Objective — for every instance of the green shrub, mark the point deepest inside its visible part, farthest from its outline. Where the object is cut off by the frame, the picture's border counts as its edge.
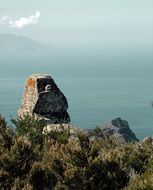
(31, 128)
(30, 160)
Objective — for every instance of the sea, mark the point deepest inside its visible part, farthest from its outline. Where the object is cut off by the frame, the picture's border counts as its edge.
(98, 88)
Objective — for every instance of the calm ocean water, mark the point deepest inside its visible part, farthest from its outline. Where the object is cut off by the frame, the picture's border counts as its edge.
(97, 90)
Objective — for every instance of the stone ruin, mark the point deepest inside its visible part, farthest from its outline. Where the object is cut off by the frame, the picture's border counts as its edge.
(44, 99)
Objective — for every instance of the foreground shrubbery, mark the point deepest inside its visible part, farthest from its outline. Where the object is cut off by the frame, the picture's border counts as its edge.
(32, 160)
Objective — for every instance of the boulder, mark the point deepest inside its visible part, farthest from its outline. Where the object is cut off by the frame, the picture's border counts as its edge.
(43, 98)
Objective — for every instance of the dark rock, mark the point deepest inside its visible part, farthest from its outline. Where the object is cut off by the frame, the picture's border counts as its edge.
(118, 128)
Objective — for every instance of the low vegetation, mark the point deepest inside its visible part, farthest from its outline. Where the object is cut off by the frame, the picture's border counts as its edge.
(31, 160)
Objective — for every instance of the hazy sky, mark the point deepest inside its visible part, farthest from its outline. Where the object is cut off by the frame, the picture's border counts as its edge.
(81, 23)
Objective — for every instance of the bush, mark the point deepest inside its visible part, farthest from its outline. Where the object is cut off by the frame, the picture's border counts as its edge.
(30, 160)
(31, 128)
(41, 177)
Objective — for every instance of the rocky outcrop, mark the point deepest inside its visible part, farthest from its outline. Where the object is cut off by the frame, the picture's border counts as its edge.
(118, 128)
(69, 128)
(44, 99)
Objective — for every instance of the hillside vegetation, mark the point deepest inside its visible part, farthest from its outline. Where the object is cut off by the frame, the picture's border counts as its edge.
(32, 160)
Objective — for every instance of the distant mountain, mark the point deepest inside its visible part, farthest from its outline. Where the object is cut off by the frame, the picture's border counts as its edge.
(10, 43)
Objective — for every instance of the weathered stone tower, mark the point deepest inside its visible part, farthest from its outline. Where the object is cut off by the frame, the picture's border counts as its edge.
(43, 98)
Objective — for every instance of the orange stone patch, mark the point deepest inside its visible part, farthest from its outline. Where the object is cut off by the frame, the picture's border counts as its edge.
(31, 83)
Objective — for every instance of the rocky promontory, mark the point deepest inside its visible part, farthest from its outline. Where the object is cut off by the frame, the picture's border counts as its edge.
(43, 99)
(117, 128)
